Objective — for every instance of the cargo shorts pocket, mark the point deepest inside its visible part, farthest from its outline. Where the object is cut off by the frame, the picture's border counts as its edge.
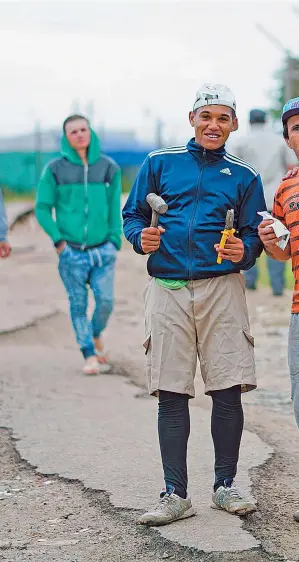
(249, 337)
(147, 344)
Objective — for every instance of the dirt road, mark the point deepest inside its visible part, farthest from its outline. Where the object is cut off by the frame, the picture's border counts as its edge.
(62, 520)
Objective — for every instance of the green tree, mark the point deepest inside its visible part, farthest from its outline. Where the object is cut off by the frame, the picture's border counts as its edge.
(287, 85)
(277, 95)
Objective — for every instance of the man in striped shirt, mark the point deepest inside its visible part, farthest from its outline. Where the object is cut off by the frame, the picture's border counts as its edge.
(270, 155)
(286, 209)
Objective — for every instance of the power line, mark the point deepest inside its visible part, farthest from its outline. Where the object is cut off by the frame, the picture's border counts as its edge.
(272, 39)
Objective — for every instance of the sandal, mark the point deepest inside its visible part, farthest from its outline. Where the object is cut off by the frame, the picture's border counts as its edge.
(103, 367)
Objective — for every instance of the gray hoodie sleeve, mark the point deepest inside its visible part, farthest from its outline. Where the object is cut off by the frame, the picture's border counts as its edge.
(3, 219)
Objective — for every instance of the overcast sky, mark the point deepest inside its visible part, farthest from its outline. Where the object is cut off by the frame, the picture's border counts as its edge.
(135, 59)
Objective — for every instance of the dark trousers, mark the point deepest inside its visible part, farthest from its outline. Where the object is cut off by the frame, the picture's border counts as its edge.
(174, 429)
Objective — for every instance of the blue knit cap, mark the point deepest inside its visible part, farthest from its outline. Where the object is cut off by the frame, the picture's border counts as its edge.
(289, 109)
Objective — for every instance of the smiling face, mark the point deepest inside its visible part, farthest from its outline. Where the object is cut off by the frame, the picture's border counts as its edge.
(293, 134)
(213, 125)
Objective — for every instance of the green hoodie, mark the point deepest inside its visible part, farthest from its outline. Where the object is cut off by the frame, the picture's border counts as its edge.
(86, 199)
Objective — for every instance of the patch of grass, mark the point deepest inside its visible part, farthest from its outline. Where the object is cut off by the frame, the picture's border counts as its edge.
(263, 272)
(126, 184)
(10, 195)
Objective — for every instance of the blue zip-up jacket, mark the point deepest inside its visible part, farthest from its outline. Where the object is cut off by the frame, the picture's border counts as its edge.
(3, 220)
(199, 187)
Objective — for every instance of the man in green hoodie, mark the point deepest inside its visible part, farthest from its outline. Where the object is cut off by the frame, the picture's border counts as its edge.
(84, 189)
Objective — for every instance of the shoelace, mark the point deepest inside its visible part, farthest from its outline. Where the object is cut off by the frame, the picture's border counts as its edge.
(162, 501)
(165, 499)
(172, 506)
(234, 492)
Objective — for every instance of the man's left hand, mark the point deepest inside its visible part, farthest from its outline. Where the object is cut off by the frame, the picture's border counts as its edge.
(5, 249)
(233, 250)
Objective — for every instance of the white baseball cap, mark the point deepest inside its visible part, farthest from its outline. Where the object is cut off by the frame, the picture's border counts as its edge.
(214, 94)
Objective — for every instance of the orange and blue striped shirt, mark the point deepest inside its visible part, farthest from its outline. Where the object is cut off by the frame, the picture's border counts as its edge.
(286, 209)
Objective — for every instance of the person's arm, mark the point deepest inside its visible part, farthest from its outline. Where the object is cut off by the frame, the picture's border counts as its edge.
(252, 202)
(3, 219)
(45, 203)
(5, 247)
(114, 213)
(137, 213)
(268, 237)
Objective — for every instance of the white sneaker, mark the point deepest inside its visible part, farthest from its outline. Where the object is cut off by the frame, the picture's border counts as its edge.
(231, 500)
(169, 508)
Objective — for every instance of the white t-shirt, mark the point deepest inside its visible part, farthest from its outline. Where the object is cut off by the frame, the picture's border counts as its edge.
(268, 152)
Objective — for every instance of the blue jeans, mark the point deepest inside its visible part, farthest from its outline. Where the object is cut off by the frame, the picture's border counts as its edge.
(293, 356)
(78, 269)
(276, 270)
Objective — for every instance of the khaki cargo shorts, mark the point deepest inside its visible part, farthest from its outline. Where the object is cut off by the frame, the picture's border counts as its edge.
(206, 320)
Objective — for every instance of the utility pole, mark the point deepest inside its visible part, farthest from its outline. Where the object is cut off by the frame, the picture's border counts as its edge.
(292, 78)
(90, 110)
(291, 68)
(159, 133)
(38, 152)
(158, 127)
(75, 107)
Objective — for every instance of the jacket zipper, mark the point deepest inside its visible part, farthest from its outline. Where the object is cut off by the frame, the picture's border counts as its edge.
(86, 206)
(194, 212)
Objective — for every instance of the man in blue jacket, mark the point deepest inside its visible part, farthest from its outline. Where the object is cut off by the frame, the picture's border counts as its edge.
(195, 307)
(5, 247)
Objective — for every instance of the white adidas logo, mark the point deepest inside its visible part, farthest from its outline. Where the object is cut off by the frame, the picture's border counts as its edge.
(226, 171)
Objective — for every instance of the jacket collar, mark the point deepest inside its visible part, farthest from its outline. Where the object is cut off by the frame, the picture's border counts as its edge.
(211, 155)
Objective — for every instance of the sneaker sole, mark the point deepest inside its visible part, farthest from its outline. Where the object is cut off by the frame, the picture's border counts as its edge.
(104, 368)
(241, 512)
(151, 523)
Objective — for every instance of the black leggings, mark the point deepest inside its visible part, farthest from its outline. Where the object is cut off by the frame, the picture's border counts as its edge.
(174, 429)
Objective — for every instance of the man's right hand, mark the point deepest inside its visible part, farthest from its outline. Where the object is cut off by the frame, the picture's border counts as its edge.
(266, 234)
(61, 248)
(150, 239)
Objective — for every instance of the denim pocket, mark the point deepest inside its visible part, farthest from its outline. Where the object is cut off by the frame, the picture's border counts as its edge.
(66, 250)
(109, 251)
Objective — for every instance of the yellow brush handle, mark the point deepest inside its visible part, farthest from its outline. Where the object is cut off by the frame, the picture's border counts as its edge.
(225, 235)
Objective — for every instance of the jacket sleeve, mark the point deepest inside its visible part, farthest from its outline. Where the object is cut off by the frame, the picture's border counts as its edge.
(252, 202)
(45, 203)
(114, 212)
(137, 213)
(3, 219)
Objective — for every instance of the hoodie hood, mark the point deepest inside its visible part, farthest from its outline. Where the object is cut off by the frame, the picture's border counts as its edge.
(211, 155)
(93, 151)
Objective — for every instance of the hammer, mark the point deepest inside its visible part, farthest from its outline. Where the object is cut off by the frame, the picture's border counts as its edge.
(158, 206)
